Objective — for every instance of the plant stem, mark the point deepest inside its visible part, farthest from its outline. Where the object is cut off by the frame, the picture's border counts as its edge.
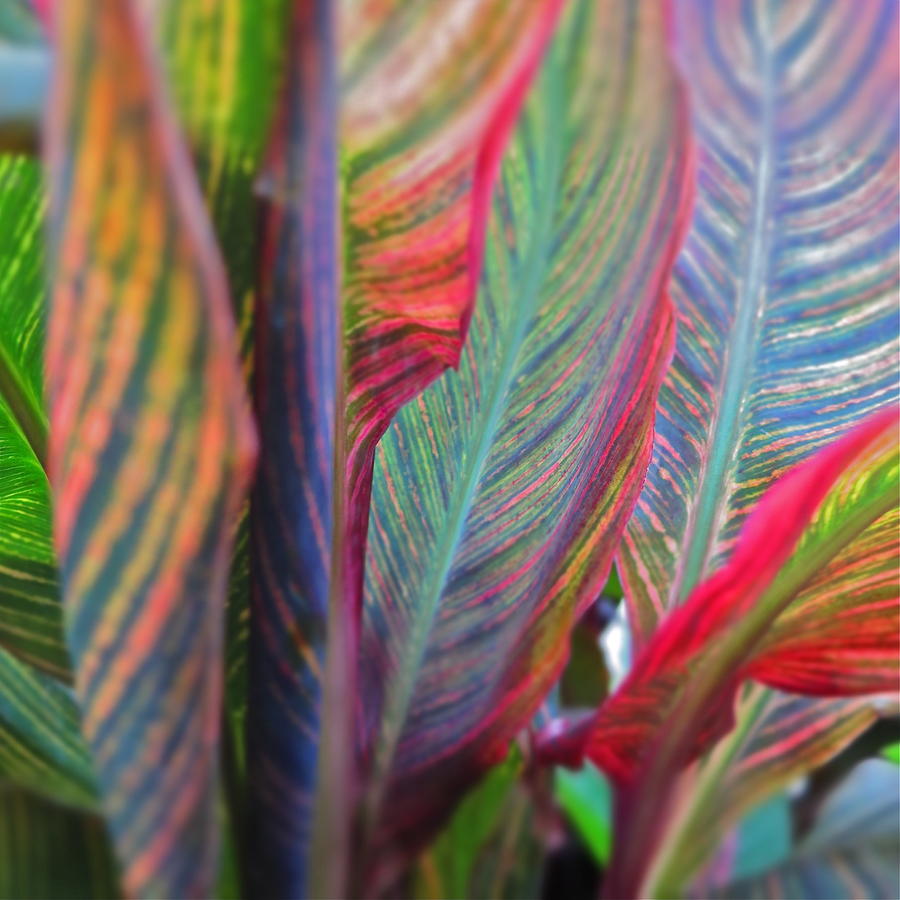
(235, 800)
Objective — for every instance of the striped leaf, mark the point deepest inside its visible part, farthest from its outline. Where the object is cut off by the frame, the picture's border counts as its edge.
(418, 170)
(30, 613)
(777, 739)
(679, 696)
(414, 183)
(41, 747)
(853, 852)
(297, 369)
(501, 492)
(151, 445)
(786, 288)
(48, 852)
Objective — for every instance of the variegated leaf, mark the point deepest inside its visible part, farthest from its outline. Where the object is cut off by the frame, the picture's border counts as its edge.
(151, 444)
(414, 184)
(786, 288)
(777, 739)
(500, 492)
(679, 695)
(785, 292)
(297, 372)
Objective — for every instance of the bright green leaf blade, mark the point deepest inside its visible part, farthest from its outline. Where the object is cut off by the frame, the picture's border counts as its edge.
(41, 747)
(892, 753)
(48, 852)
(30, 612)
(586, 797)
(853, 851)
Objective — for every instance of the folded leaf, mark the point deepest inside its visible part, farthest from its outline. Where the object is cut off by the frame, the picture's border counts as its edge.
(679, 695)
(297, 370)
(501, 492)
(151, 445)
(854, 850)
(41, 747)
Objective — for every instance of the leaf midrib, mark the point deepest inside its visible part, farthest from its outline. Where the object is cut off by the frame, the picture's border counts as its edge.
(399, 699)
(714, 494)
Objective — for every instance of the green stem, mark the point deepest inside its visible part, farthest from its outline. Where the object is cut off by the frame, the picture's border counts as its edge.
(235, 800)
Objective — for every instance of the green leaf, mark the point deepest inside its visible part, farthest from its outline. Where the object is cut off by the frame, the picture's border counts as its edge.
(30, 612)
(586, 797)
(41, 746)
(892, 753)
(466, 860)
(48, 852)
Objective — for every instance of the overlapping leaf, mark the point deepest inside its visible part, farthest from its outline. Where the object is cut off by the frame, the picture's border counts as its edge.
(151, 445)
(415, 180)
(41, 747)
(854, 850)
(500, 492)
(679, 695)
(785, 291)
(777, 739)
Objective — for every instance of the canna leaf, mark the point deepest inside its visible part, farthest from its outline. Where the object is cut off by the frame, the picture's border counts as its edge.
(777, 739)
(786, 288)
(679, 696)
(784, 292)
(854, 850)
(414, 186)
(48, 852)
(41, 747)
(30, 612)
(151, 445)
(501, 492)
(297, 354)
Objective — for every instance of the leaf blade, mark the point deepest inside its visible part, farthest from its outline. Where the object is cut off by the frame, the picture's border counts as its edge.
(465, 670)
(151, 445)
